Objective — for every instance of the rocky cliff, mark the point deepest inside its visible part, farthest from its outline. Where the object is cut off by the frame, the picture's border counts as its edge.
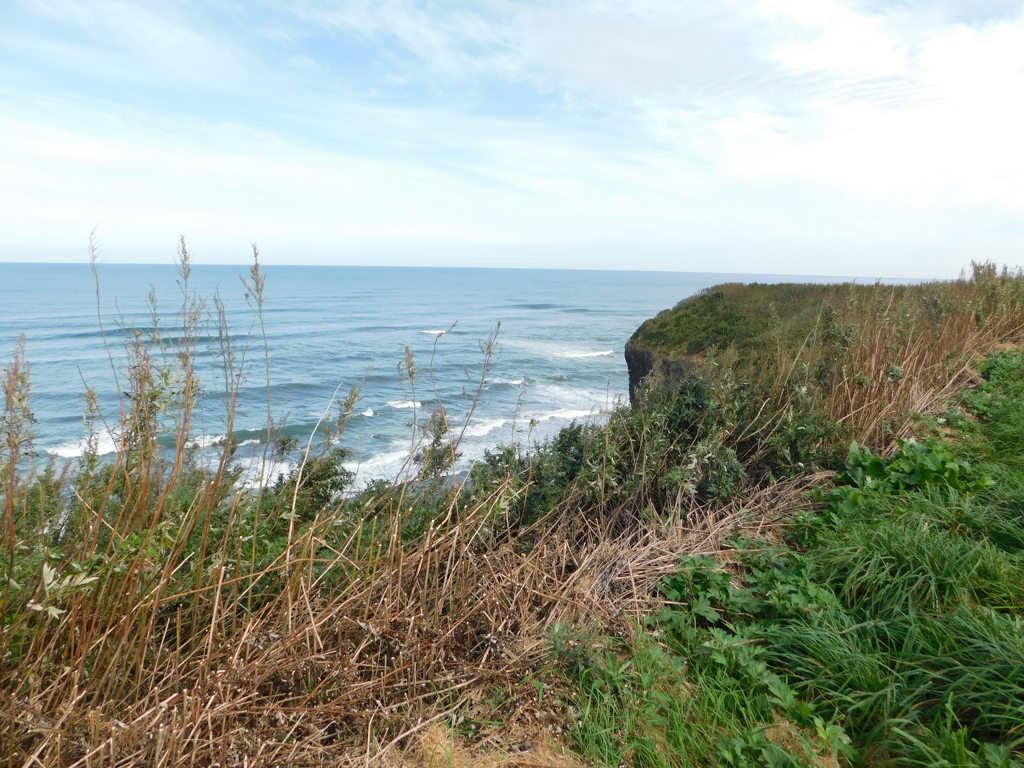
(642, 363)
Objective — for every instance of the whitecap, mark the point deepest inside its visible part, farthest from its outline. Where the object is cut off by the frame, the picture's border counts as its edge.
(482, 427)
(70, 450)
(259, 473)
(368, 412)
(434, 333)
(579, 354)
(389, 465)
(567, 414)
(404, 404)
(510, 382)
(574, 398)
(206, 441)
(106, 443)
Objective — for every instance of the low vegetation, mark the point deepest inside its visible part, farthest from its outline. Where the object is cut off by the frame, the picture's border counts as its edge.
(882, 628)
(745, 315)
(715, 577)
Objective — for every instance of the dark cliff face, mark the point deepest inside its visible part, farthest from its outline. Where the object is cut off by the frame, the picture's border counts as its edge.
(640, 363)
(666, 372)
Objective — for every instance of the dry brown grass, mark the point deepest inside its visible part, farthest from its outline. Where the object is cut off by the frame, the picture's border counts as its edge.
(443, 632)
(440, 748)
(881, 355)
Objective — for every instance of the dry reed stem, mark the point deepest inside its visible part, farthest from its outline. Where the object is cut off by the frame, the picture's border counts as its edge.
(437, 630)
(906, 351)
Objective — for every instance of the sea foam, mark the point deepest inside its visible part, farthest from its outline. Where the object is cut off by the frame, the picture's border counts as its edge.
(106, 443)
(206, 441)
(259, 473)
(577, 354)
(482, 427)
(388, 465)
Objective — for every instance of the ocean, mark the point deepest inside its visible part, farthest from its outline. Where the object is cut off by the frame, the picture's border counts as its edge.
(558, 352)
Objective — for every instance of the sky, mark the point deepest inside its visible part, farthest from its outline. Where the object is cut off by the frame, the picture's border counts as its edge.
(815, 137)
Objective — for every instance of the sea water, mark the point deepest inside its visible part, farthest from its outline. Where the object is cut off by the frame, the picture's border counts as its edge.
(558, 351)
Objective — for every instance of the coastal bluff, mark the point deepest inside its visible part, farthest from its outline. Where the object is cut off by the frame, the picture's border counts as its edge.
(751, 319)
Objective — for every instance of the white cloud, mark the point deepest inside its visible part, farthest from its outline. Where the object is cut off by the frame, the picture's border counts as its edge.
(762, 129)
(453, 40)
(132, 42)
(626, 54)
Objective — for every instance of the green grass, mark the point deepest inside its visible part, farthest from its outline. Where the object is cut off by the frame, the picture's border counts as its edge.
(734, 313)
(754, 315)
(640, 704)
(887, 629)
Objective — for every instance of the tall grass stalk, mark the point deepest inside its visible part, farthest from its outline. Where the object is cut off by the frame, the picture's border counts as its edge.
(886, 354)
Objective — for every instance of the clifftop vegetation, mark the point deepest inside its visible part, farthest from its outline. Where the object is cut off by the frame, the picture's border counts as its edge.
(866, 358)
(717, 577)
(743, 315)
(754, 316)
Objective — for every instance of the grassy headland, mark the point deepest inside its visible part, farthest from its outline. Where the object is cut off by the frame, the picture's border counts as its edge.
(645, 592)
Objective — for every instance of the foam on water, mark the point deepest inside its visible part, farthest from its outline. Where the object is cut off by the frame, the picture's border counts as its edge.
(106, 444)
(207, 441)
(393, 464)
(405, 404)
(573, 397)
(559, 350)
(259, 472)
(581, 354)
(482, 427)
(567, 414)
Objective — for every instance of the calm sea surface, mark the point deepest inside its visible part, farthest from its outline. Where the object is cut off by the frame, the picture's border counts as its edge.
(560, 348)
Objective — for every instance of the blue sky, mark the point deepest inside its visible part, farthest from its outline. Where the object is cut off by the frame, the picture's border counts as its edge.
(773, 136)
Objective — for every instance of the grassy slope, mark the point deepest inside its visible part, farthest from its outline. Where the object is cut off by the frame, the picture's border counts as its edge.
(738, 314)
(754, 316)
(884, 629)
